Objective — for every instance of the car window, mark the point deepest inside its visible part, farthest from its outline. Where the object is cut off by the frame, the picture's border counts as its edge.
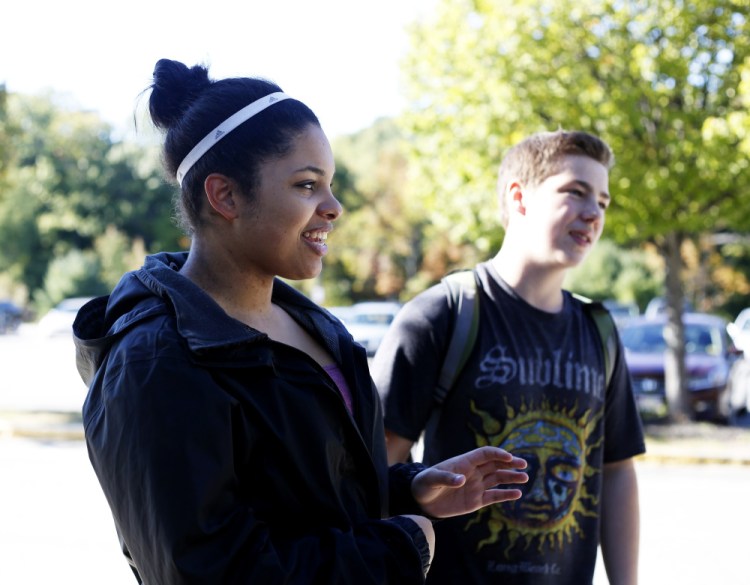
(702, 339)
(644, 338)
(649, 338)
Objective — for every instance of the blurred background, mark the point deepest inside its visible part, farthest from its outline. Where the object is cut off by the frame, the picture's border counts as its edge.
(421, 100)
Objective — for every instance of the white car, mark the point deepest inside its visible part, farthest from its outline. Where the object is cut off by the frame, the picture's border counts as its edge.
(342, 313)
(739, 331)
(59, 319)
(369, 321)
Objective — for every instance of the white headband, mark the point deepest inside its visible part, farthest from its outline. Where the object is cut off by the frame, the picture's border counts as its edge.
(225, 128)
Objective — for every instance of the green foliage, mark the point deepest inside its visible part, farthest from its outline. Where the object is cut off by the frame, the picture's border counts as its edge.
(117, 254)
(719, 276)
(611, 272)
(65, 183)
(89, 272)
(74, 274)
(375, 247)
(6, 131)
(660, 80)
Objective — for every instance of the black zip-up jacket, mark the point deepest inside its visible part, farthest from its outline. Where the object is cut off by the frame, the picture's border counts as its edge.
(226, 457)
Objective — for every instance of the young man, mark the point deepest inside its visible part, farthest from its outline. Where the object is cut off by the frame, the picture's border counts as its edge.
(534, 384)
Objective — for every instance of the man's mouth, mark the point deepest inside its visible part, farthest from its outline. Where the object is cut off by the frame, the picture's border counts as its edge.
(583, 238)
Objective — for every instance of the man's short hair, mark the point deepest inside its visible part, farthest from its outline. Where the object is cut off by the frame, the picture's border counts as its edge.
(535, 158)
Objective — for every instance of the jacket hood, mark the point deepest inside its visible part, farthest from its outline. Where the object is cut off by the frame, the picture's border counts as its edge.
(158, 289)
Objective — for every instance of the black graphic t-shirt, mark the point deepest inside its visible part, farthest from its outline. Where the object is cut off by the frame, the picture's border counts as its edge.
(535, 386)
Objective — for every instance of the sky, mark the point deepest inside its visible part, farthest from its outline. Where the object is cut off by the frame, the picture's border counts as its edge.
(340, 57)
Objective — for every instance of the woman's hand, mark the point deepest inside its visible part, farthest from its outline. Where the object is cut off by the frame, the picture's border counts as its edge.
(468, 482)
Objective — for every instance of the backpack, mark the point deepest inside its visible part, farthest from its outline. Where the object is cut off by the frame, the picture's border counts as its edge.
(464, 303)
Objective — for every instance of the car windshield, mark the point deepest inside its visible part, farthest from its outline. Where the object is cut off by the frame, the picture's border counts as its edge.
(649, 338)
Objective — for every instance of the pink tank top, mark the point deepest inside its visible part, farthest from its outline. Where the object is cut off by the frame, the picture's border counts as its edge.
(336, 375)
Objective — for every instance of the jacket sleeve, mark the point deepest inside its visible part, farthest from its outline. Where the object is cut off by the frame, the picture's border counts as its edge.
(160, 438)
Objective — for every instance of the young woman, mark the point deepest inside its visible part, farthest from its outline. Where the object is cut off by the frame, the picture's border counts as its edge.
(232, 423)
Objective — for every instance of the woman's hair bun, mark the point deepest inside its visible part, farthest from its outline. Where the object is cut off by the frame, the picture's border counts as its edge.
(174, 88)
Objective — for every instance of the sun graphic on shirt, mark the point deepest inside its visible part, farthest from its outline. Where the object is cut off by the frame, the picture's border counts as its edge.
(555, 444)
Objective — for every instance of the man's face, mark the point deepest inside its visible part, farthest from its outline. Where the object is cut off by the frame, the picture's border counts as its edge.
(563, 216)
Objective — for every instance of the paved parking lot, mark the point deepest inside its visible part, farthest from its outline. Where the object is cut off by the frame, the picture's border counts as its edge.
(38, 373)
(56, 528)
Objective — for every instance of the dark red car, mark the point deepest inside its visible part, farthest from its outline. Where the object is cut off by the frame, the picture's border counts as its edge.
(709, 357)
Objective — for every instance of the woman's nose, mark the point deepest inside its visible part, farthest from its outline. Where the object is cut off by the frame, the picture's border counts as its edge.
(330, 208)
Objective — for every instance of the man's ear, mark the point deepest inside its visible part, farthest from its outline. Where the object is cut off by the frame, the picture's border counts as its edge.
(221, 192)
(516, 198)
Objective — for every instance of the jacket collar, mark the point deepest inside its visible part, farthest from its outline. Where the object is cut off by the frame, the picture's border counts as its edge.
(158, 288)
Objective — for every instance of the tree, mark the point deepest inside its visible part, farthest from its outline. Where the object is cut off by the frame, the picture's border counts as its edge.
(660, 80)
(610, 272)
(375, 239)
(6, 131)
(65, 182)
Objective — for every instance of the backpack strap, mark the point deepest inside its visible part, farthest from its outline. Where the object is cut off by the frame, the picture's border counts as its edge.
(463, 302)
(464, 305)
(605, 324)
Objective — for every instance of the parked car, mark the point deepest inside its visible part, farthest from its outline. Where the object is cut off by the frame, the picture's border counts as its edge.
(344, 313)
(709, 357)
(658, 306)
(369, 321)
(739, 330)
(11, 316)
(739, 390)
(621, 311)
(59, 319)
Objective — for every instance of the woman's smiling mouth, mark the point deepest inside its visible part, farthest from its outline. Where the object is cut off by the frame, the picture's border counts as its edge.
(317, 240)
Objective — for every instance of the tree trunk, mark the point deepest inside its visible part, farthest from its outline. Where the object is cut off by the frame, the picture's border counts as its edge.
(675, 375)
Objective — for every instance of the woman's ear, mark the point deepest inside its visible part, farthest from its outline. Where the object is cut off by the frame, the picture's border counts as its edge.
(221, 192)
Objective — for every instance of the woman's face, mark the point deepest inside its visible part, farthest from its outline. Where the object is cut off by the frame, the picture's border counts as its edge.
(283, 228)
